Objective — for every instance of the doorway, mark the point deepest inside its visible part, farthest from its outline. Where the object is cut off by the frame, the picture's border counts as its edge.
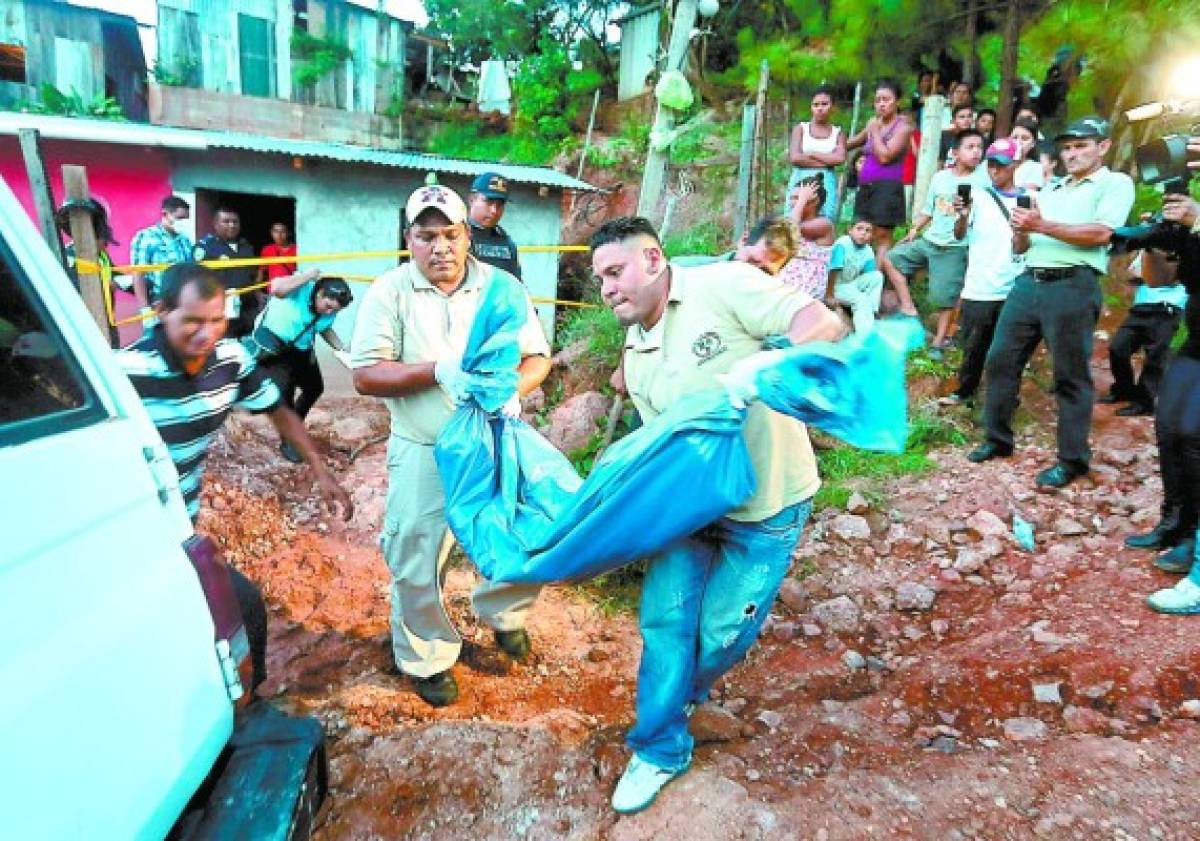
(258, 212)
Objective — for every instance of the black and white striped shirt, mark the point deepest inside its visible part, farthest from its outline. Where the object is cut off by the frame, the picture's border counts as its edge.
(189, 410)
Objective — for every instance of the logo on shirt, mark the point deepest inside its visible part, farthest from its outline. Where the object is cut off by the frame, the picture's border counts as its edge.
(708, 345)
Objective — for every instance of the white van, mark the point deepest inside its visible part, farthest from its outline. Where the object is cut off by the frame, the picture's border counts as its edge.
(117, 692)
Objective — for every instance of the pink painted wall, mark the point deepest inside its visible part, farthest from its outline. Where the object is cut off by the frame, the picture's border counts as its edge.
(132, 180)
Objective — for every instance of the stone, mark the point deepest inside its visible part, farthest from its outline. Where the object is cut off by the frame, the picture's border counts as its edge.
(1047, 693)
(784, 631)
(987, 524)
(911, 595)
(573, 424)
(1024, 729)
(811, 629)
(1085, 720)
(857, 503)
(351, 430)
(839, 615)
(793, 596)
(770, 718)
(713, 723)
(1190, 709)
(939, 626)
(850, 527)
(969, 560)
(854, 660)
(1066, 527)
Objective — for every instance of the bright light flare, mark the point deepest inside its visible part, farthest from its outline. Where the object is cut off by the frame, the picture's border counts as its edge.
(1184, 81)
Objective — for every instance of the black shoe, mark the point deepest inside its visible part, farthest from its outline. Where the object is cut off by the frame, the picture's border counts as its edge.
(291, 453)
(1134, 410)
(515, 644)
(1178, 558)
(987, 451)
(437, 690)
(1109, 399)
(1058, 476)
(1159, 537)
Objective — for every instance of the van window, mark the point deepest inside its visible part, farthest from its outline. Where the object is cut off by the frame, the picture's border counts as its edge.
(42, 390)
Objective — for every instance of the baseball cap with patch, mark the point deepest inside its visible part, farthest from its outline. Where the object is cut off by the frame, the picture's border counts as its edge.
(1085, 128)
(439, 198)
(1004, 151)
(491, 185)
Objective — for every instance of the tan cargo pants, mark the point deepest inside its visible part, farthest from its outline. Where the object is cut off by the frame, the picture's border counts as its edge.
(416, 543)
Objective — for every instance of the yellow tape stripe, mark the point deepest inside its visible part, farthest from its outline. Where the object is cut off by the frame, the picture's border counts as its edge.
(92, 266)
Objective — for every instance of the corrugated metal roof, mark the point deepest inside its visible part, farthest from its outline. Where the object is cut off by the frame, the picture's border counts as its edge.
(108, 131)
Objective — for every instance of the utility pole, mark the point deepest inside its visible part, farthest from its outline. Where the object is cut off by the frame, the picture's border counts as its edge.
(655, 175)
(928, 161)
(87, 250)
(39, 185)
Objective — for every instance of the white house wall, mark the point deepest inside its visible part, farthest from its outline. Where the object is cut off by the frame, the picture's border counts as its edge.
(345, 208)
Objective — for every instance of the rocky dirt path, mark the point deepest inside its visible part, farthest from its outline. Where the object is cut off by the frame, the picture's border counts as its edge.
(925, 679)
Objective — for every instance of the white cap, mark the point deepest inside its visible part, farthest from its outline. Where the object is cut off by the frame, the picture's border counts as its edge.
(440, 198)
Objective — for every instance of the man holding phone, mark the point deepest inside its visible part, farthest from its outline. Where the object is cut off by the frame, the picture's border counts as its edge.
(991, 264)
(930, 242)
(1065, 240)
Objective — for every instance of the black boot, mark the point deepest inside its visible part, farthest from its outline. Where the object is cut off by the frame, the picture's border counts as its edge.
(1168, 532)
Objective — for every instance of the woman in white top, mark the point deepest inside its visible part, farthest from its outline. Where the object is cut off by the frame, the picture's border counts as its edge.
(816, 148)
(1029, 175)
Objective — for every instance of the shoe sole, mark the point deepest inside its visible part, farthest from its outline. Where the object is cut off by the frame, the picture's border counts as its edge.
(1187, 611)
(1174, 570)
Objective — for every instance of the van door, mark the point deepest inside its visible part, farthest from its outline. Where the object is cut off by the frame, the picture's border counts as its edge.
(114, 707)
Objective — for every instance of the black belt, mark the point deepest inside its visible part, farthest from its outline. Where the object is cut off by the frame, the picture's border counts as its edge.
(1145, 309)
(1048, 275)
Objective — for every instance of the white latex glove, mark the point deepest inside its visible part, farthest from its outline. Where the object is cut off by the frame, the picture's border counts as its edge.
(512, 408)
(740, 380)
(449, 375)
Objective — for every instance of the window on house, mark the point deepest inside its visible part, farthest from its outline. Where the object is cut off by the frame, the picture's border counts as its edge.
(12, 63)
(179, 51)
(300, 15)
(254, 55)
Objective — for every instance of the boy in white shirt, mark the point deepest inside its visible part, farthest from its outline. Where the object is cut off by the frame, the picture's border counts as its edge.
(991, 264)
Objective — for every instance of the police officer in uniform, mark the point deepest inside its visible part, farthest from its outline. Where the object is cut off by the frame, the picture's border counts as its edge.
(227, 243)
(489, 242)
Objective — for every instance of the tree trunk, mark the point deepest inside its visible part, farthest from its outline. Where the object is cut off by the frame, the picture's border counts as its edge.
(972, 57)
(1008, 67)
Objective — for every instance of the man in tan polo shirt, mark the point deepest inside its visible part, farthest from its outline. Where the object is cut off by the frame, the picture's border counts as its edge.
(409, 338)
(704, 599)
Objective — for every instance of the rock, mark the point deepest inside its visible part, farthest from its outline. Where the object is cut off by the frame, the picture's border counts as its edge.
(1189, 709)
(573, 424)
(351, 430)
(839, 615)
(1024, 729)
(1047, 693)
(969, 560)
(793, 595)
(911, 595)
(713, 723)
(811, 629)
(770, 718)
(939, 626)
(854, 660)
(857, 503)
(987, 524)
(569, 355)
(784, 631)
(850, 527)
(1085, 720)
(534, 401)
(1067, 527)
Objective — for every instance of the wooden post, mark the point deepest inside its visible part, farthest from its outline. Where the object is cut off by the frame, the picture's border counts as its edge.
(83, 234)
(928, 161)
(758, 189)
(39, 185)
(655, 176)
(745, 165)
(844, 177)
(587, 143)
(972, 56)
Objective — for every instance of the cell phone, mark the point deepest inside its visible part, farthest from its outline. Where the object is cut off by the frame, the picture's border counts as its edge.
(1024, 202)
(964, 193)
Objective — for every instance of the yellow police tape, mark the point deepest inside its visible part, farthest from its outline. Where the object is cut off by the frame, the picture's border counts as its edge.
(90, 266)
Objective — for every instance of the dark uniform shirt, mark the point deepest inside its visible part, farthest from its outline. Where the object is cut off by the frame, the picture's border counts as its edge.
(212, 247)
(496, 248)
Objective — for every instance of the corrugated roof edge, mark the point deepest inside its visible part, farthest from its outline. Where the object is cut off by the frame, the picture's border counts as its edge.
(108, 131)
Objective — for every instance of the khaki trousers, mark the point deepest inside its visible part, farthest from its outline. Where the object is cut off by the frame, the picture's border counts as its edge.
(416, 543)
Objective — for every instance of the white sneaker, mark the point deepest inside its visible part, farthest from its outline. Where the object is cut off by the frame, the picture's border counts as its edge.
(639, 785)
(1183, 598)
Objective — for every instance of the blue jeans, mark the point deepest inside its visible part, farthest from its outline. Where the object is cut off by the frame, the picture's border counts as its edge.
(704, 601)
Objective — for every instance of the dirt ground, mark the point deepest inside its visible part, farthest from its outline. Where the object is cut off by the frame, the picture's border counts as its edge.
(921, 677)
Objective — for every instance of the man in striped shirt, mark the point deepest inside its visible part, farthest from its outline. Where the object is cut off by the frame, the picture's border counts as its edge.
(190, 378)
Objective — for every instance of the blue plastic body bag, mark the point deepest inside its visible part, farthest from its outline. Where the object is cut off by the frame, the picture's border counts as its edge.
(520, 510)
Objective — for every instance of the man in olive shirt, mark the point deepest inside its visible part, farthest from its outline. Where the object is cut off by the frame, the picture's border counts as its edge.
(705, 598)
(1058, 298)
(409, 338)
